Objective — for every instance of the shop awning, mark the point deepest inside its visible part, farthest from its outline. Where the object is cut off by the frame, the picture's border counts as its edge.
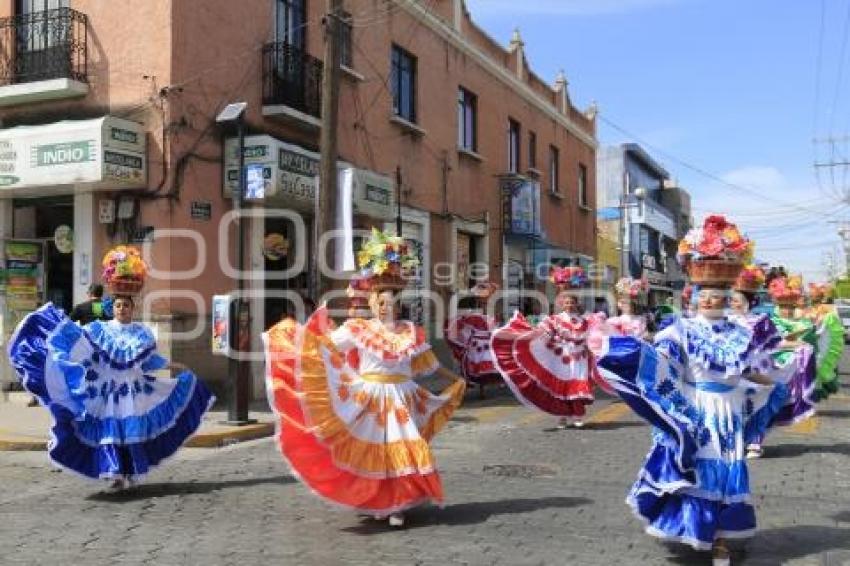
(72, 155)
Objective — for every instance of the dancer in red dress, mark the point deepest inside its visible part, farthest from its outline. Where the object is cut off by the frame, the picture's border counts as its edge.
(468, 334)
(550, 366)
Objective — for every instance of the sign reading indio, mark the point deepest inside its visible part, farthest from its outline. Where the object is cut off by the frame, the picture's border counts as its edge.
(106, 152)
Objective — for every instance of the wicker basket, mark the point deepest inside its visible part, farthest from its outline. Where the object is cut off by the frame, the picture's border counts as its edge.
(786, 301)
(122, 286)
(714, 272)
(747, 286)
(388, 282)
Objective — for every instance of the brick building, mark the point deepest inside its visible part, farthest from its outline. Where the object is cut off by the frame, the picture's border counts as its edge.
(107, 126)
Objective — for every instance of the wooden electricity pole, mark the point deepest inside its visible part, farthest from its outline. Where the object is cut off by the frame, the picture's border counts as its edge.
(325, 213)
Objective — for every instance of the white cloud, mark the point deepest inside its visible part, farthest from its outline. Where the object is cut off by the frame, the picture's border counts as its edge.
(796, 234)
(562, 7)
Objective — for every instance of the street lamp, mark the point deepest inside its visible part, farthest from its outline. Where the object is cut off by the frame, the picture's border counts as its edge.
(640, 195)
(239, 315)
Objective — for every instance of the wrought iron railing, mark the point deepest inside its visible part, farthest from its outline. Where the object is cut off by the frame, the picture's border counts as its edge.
(292, 77)
(38, 46)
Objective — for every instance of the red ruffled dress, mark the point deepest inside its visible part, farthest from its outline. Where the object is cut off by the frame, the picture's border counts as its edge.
(468, 336)
(550, 366)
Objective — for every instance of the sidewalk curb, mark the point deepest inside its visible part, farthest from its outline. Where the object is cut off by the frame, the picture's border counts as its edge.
(18, 444)
(231, 435)
(217, 439)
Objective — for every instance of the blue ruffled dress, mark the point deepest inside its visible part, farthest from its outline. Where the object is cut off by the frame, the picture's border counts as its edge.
(694, 486)
(111, 418)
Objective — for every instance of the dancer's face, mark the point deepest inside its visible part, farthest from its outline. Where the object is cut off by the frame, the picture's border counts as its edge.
(625, 306)
(122, 308)
(565, 302)
(712, 302)
(739, 303)
(383, 306)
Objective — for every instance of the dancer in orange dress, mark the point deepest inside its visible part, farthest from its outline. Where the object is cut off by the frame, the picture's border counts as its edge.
(354, 425)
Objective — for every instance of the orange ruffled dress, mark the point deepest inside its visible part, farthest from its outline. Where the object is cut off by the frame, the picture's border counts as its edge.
(353, 424)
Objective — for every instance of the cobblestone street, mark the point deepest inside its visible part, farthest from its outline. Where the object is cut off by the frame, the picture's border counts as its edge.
(518, 492)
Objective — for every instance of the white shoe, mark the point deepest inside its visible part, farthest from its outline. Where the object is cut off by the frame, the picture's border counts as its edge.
(116, 486)
(754, 451)
(396, 520)
(721, 562)
(562, 424)
(578, 424)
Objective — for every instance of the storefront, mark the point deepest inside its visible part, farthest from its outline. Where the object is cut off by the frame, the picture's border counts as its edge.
(48, 177)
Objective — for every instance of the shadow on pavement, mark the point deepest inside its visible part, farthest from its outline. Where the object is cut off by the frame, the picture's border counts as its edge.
(591, 427)
(779, 545)
(145, 491)
(837, 413)
(469, 513)
(794, 450)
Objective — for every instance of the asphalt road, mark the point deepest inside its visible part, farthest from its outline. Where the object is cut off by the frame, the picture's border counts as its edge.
(518, 492)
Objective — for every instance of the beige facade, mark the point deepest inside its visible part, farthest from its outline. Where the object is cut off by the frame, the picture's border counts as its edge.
(170, 66)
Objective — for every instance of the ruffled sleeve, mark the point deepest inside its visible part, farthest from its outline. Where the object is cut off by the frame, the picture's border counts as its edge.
(424, 362)
(342, 338)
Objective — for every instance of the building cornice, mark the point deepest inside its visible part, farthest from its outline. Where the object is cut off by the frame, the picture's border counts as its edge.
(448, 33)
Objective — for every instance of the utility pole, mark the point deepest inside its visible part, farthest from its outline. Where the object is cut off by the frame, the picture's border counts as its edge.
(325, 213)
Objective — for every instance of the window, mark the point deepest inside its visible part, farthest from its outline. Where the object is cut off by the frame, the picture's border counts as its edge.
(467, 120)
(513, 146)
(346, 58)
(404, 84)
(532, 150)
(554, 170)
(290, 22)
(582, 185)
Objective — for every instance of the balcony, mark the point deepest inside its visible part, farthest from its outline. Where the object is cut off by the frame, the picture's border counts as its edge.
(292, 85)
(43, 56)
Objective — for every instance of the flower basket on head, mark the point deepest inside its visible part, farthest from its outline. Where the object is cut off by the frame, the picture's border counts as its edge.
(750, 280)
(786, 291)
(569, 277)
(124, 271)
(715, 254)
(633, 289)
(386, 261)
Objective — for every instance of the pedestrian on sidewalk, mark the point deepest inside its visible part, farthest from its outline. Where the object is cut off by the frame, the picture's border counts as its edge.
(693, 487)
(112, 419)
(93, 309)
(353, 424)
(550, 367)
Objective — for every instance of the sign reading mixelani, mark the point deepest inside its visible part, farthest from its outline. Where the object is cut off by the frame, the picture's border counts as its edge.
(102, 152)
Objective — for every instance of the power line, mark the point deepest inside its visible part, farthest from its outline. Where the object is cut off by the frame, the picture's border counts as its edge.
(702, 171)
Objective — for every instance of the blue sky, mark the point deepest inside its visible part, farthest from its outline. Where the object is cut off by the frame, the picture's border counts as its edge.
(729, 87)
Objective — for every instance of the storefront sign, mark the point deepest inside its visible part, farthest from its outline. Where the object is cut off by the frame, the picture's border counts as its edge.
(105, 152)
(63, 239)
(521, 206)
(201, 210)
(648, 261)
(275, 246)
(23, 272)
(290, 177)
(220, 324)
(106, 211)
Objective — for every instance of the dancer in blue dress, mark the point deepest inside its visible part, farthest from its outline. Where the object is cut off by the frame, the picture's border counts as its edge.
(112, 419)
(694, 486)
